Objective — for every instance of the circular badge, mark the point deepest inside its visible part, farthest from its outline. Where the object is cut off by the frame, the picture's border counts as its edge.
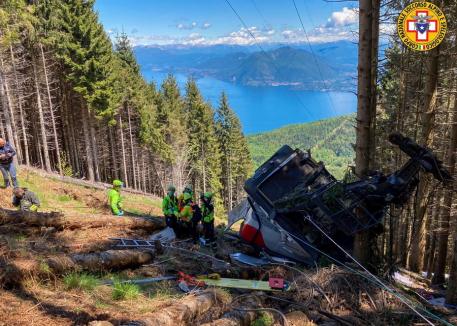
(421, 26)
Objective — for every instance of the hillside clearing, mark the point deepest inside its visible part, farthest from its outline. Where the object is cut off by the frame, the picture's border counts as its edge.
(34, 289)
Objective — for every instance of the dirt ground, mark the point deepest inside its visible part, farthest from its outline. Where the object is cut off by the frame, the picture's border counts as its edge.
(323, 296)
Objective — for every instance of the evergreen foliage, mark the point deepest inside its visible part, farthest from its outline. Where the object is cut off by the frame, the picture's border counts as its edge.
(95, 116)
(330, 141)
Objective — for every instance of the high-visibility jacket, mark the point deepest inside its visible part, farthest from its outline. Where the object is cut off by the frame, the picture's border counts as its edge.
(186, 213)
(170, 205)
(207, 212)
(115, 200)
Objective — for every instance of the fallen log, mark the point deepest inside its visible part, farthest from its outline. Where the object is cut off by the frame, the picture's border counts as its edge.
(185, 311)
(19, 269)
(239, 317)
(60, 221)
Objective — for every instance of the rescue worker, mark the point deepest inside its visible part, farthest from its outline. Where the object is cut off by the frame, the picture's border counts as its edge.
(6, 163)
(189, 216)
(115, 198)
(25, 200)
(170, 208)
(207, 210)
(187, 190)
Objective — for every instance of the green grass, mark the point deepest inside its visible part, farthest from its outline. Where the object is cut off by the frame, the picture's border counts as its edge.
(263, 320)
(81, 281)
(64, 198)
(125, 291)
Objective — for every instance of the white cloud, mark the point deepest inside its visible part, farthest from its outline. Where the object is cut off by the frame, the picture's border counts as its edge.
(340, 26)
(320, 34)
(193, 25)
(345, 17)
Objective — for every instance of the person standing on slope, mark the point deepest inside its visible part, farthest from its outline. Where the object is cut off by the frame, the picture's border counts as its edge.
(170, 208)
(6, 163)
(189, 216)
(207, 211)
(115, 198)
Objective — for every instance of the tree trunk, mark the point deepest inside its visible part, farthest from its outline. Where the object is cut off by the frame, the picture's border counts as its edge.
(415, 261)
(44, 140)
(6, 103)
(93, 140)
(445, 212)
(87, 142)
(364, 241)
(124, 160)
(134, 177)
(21, 113)
(451, 293)
(51, 110)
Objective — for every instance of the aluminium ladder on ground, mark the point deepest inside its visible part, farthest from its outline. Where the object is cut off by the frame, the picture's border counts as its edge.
(134, 243)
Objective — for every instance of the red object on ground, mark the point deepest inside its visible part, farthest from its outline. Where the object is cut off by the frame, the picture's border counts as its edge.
(276, 283)
(190, 280)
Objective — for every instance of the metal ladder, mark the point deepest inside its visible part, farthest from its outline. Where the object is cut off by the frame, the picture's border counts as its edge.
(133, 243)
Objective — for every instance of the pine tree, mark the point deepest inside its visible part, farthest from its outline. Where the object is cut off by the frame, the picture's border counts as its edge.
(86, 52)
(235, 160)
(204, 155)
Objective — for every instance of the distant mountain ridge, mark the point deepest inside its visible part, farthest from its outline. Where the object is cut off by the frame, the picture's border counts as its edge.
(332, 67)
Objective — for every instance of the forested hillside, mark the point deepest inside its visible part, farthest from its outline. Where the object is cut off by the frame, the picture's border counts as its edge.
(330, 141)
(73, 103)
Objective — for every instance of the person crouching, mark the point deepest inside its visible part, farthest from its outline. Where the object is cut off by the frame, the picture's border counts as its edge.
(25, 200)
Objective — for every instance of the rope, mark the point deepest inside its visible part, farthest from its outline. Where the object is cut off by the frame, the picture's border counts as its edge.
(332, 106)
(371, 278)
(264, 52)
(196, 253)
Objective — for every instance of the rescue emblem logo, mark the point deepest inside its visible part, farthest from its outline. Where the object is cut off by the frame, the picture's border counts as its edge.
(422, 26)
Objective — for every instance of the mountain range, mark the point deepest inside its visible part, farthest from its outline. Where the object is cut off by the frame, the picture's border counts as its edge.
(330, 66)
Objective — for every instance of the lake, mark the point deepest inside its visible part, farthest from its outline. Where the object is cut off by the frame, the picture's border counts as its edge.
(266, 108)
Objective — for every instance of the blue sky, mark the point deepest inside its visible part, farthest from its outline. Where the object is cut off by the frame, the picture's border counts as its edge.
(209, 22)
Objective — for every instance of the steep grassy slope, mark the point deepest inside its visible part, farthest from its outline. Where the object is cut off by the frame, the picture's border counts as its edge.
(330, 141)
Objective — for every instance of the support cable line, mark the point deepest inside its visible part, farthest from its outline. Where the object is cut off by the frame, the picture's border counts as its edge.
(332, 106)
(265, 53)
(369, 276)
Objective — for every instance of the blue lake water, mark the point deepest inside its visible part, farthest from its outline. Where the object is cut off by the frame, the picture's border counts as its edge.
(266, 108)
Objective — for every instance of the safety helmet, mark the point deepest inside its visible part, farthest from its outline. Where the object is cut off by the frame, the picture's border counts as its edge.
(208, 195)
(187, 196)
(187, 189)
(117, 183)
(171, 188)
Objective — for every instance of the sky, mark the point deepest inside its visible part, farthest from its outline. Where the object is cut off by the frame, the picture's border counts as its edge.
(211, 22)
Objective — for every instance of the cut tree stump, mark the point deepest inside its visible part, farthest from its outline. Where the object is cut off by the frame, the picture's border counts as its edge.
(19, 269)
(60, 222)
(185, 311)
